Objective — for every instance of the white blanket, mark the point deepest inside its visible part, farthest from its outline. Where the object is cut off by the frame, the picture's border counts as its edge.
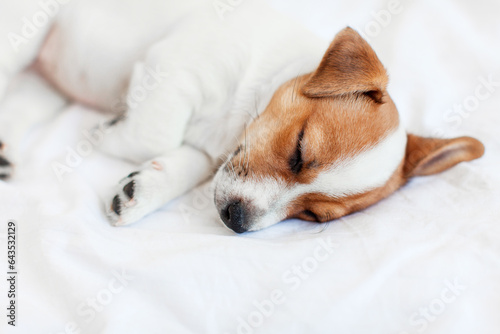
(426, 260)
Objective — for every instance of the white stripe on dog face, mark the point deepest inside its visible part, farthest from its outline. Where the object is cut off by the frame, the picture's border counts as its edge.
(270, 197)
(368, 170)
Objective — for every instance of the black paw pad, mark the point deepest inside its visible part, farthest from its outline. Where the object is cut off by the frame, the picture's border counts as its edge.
(129, 189)
(133, 174)
(115, 121)
(116, 205)
(4, 162)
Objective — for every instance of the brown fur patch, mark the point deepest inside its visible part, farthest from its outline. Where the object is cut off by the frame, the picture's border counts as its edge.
(425, 156)
(342, 109)
(335, 129)
(350, 65)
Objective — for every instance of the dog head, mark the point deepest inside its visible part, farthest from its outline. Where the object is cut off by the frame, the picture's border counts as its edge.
(329, 143)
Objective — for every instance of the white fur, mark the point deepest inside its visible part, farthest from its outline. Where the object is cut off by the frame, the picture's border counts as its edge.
(368, 170)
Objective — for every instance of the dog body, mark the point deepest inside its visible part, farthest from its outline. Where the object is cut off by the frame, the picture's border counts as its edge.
(197, 79)
(225, 67)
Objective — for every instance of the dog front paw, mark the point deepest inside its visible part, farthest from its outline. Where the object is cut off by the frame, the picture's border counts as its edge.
(138, 194)
(118, 210)
(6, 167)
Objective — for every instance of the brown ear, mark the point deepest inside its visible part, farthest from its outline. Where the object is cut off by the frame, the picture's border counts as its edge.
(349, 66)
(426, 156)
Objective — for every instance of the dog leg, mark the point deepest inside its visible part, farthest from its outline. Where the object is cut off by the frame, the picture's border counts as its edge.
(29, 100)
(159, 181)
(156, 117)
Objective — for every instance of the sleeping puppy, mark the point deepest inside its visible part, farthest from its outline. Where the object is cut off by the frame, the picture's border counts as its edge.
(311, 129)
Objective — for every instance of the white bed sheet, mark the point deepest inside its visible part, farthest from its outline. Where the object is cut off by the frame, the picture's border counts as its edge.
(426, 260)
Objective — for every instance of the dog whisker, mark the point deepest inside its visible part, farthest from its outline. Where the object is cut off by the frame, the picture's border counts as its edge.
(256, 106)
(294, 92)
(246, 147)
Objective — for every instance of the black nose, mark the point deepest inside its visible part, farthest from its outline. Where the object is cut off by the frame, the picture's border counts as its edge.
(233, 215)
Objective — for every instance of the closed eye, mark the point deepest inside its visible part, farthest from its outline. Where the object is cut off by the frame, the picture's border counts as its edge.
(295, 162)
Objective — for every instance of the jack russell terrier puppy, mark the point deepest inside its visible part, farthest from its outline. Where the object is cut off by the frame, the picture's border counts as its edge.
(311, 134)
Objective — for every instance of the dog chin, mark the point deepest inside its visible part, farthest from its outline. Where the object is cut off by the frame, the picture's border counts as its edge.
(271, 218)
